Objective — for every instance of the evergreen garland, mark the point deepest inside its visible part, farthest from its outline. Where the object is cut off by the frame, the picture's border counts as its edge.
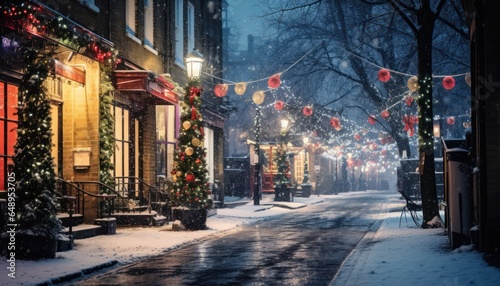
(33, 163)
(106, 127)
(189, 186)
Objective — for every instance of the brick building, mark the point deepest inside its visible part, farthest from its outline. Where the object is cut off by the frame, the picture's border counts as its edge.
(151, 39)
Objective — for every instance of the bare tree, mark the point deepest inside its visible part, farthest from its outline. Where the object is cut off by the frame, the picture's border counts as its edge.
(350, 37)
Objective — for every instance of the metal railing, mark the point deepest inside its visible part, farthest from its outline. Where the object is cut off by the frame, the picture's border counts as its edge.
(154, 197)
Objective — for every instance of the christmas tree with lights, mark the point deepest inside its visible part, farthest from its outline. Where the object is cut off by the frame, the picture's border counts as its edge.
(33, 171)
(189, 187)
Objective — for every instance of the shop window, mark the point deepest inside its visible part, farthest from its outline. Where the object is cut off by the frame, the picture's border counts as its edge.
(8, 132)
(122, 155)
(209, 145)
(166, 134)
(179, 32)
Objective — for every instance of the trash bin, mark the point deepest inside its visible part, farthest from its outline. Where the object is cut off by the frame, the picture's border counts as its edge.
(459, 197)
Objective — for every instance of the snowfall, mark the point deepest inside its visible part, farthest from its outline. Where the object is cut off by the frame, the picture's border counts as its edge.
(389, 254)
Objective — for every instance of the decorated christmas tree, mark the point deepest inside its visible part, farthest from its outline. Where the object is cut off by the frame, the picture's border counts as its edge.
(33, 163)
(189, 186)
(283, 175)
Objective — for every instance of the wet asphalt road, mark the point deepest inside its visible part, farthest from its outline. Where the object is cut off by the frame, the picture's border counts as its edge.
(305, 247)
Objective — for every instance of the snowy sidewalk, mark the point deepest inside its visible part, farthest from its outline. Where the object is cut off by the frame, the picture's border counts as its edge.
(407, 255)
(388, 255)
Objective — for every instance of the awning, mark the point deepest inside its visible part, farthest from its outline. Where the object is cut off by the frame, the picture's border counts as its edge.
(147, 82)
(69, 72)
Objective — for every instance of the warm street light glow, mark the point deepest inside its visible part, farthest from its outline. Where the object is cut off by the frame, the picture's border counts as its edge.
(194, 62)
(284, 123)
(306, 140)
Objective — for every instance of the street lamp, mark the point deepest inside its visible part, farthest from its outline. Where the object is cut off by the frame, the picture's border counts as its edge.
(194, 63)
(282, 179)
(306, 171)
(284, 125)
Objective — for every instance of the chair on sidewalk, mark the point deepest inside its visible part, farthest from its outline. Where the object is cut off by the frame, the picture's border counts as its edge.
(413, 208)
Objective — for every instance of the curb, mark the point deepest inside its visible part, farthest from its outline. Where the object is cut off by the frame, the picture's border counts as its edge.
(78, 274)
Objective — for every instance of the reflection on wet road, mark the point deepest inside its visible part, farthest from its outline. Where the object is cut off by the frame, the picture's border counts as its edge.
(305, 247)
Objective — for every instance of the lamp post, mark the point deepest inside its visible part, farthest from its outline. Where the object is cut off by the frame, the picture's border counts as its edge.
(282, 192)
(258, 174)
(306, 171)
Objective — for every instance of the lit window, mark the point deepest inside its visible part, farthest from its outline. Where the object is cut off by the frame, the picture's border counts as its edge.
(190, 22)
(149, 25)
(130, 29)
(179, 32)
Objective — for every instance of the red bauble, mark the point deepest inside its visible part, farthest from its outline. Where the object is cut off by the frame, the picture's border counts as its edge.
(278, 105)
(190, 177)
(384, 75)
(450, 120)
(357, 136)
(220, 90)
(372, 119)
(409, 100)
(448, 82)
(307, 110)
(274, 81)
(385, 114)
(335, 123)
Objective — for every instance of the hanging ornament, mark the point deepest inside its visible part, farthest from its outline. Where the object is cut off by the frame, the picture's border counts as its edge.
(189, 151)
(409, 100)
(372, 120)
(307, 110)
(198, 161)
(178, 173)
(468, 79)
(278, 105)
(372, 146)
(240, 88)
(466, 124)
(190, 177)
(220, 90)
(274, 81)
(410, 122)
(186, 125)
(357, 136)
(195, 142)
(174, 178)
(335, 123)
(448, 82)
(384, 75)
(384, 114)
(412, 83)
(450, 120)
(258, 97)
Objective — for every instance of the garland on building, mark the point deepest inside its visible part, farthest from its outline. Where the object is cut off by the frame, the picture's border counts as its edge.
(106, 124)
(189, 186)
(33, 163)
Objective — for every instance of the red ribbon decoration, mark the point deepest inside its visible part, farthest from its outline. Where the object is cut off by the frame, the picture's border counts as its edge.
(193, 113)
(201, 131)
(409, 122)
(195, 91)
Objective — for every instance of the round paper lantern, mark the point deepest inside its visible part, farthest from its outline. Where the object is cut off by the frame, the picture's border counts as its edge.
(468, 79)
(274, 81)
(384, 75)
(196, 142)
(190, 177)
(409, 100)
(189, 151)
(220, 90)
(307, 110)
(357, 136)
(450, 120)
(335, 123)
(258, 97)
(448, 82)
(186, 125)
(371, 119)
(278, 105)
(412, 83)
(384, 113)
(240, 88)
